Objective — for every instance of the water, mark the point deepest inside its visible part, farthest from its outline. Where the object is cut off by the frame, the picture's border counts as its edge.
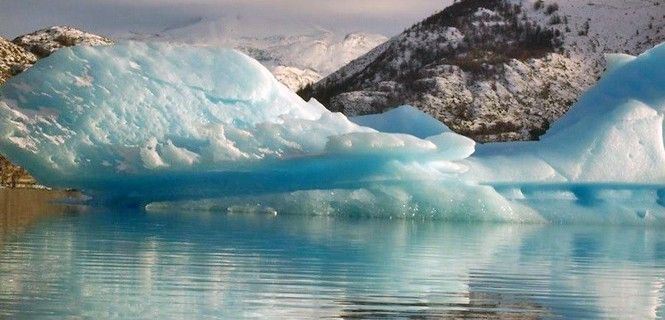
(133, 264)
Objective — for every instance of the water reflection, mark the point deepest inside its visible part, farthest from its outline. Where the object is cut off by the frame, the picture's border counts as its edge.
(205, 265)
(20, 208)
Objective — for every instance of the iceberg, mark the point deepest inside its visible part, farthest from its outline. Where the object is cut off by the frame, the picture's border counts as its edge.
(166, 125)
(403, 119)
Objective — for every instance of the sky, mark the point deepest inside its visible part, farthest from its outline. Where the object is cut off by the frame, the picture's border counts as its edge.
(121, 17)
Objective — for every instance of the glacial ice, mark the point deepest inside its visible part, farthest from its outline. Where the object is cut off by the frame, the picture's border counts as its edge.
(207, 128)
(403, 119)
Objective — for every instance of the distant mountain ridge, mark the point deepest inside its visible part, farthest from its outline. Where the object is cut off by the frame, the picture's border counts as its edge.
(296, 57)
(321, 52)
(494, 70)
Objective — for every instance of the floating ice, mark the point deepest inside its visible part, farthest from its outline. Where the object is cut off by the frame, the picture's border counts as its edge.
(157, 123)
(404, 119)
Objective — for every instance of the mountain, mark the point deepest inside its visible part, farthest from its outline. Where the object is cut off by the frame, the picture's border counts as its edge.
(296, 56)
(295, 78)
(44, 42)
(13, 59)
(310, 56)
(494, 70)
(22, 53)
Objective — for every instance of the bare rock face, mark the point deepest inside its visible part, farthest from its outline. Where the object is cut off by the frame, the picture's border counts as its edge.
(22, 53)
(46, 41)
(493, 70)
(13, 59)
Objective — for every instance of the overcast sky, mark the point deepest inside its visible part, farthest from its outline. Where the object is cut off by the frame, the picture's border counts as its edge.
(118, 17)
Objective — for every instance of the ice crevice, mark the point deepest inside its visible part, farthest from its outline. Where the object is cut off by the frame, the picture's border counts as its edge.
(175, 126)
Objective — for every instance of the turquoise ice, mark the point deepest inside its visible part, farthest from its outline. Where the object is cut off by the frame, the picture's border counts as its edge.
(207, 128)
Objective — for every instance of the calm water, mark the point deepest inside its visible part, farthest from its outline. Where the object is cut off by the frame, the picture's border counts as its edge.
(101, 264)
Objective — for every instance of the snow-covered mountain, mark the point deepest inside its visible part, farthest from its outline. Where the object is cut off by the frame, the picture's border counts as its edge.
(309, 56)
(495, 69)
(296, 57)
(295, 78)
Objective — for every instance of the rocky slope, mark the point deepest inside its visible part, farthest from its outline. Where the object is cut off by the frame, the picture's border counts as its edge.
(19, 55)
(494, 70)
(13, 59)
(44, 42)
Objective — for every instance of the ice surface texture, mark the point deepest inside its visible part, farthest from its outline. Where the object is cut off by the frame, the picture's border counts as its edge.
(158, 122)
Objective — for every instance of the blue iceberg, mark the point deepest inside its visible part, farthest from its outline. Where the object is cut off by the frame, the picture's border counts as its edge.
(403, 119)
(168, 125)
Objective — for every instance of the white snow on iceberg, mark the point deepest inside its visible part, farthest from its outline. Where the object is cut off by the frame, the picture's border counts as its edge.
(158, 123)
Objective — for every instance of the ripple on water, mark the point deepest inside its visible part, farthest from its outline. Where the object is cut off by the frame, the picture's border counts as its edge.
(134, 264)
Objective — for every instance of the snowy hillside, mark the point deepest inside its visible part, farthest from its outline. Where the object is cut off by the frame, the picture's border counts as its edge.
(295, 78)
(498, 69)
(296, 57)
(321, 52)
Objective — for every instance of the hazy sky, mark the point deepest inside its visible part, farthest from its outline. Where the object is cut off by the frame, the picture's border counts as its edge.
(118, 17)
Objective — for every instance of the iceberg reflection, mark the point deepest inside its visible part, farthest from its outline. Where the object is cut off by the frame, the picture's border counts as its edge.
(146, 265)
